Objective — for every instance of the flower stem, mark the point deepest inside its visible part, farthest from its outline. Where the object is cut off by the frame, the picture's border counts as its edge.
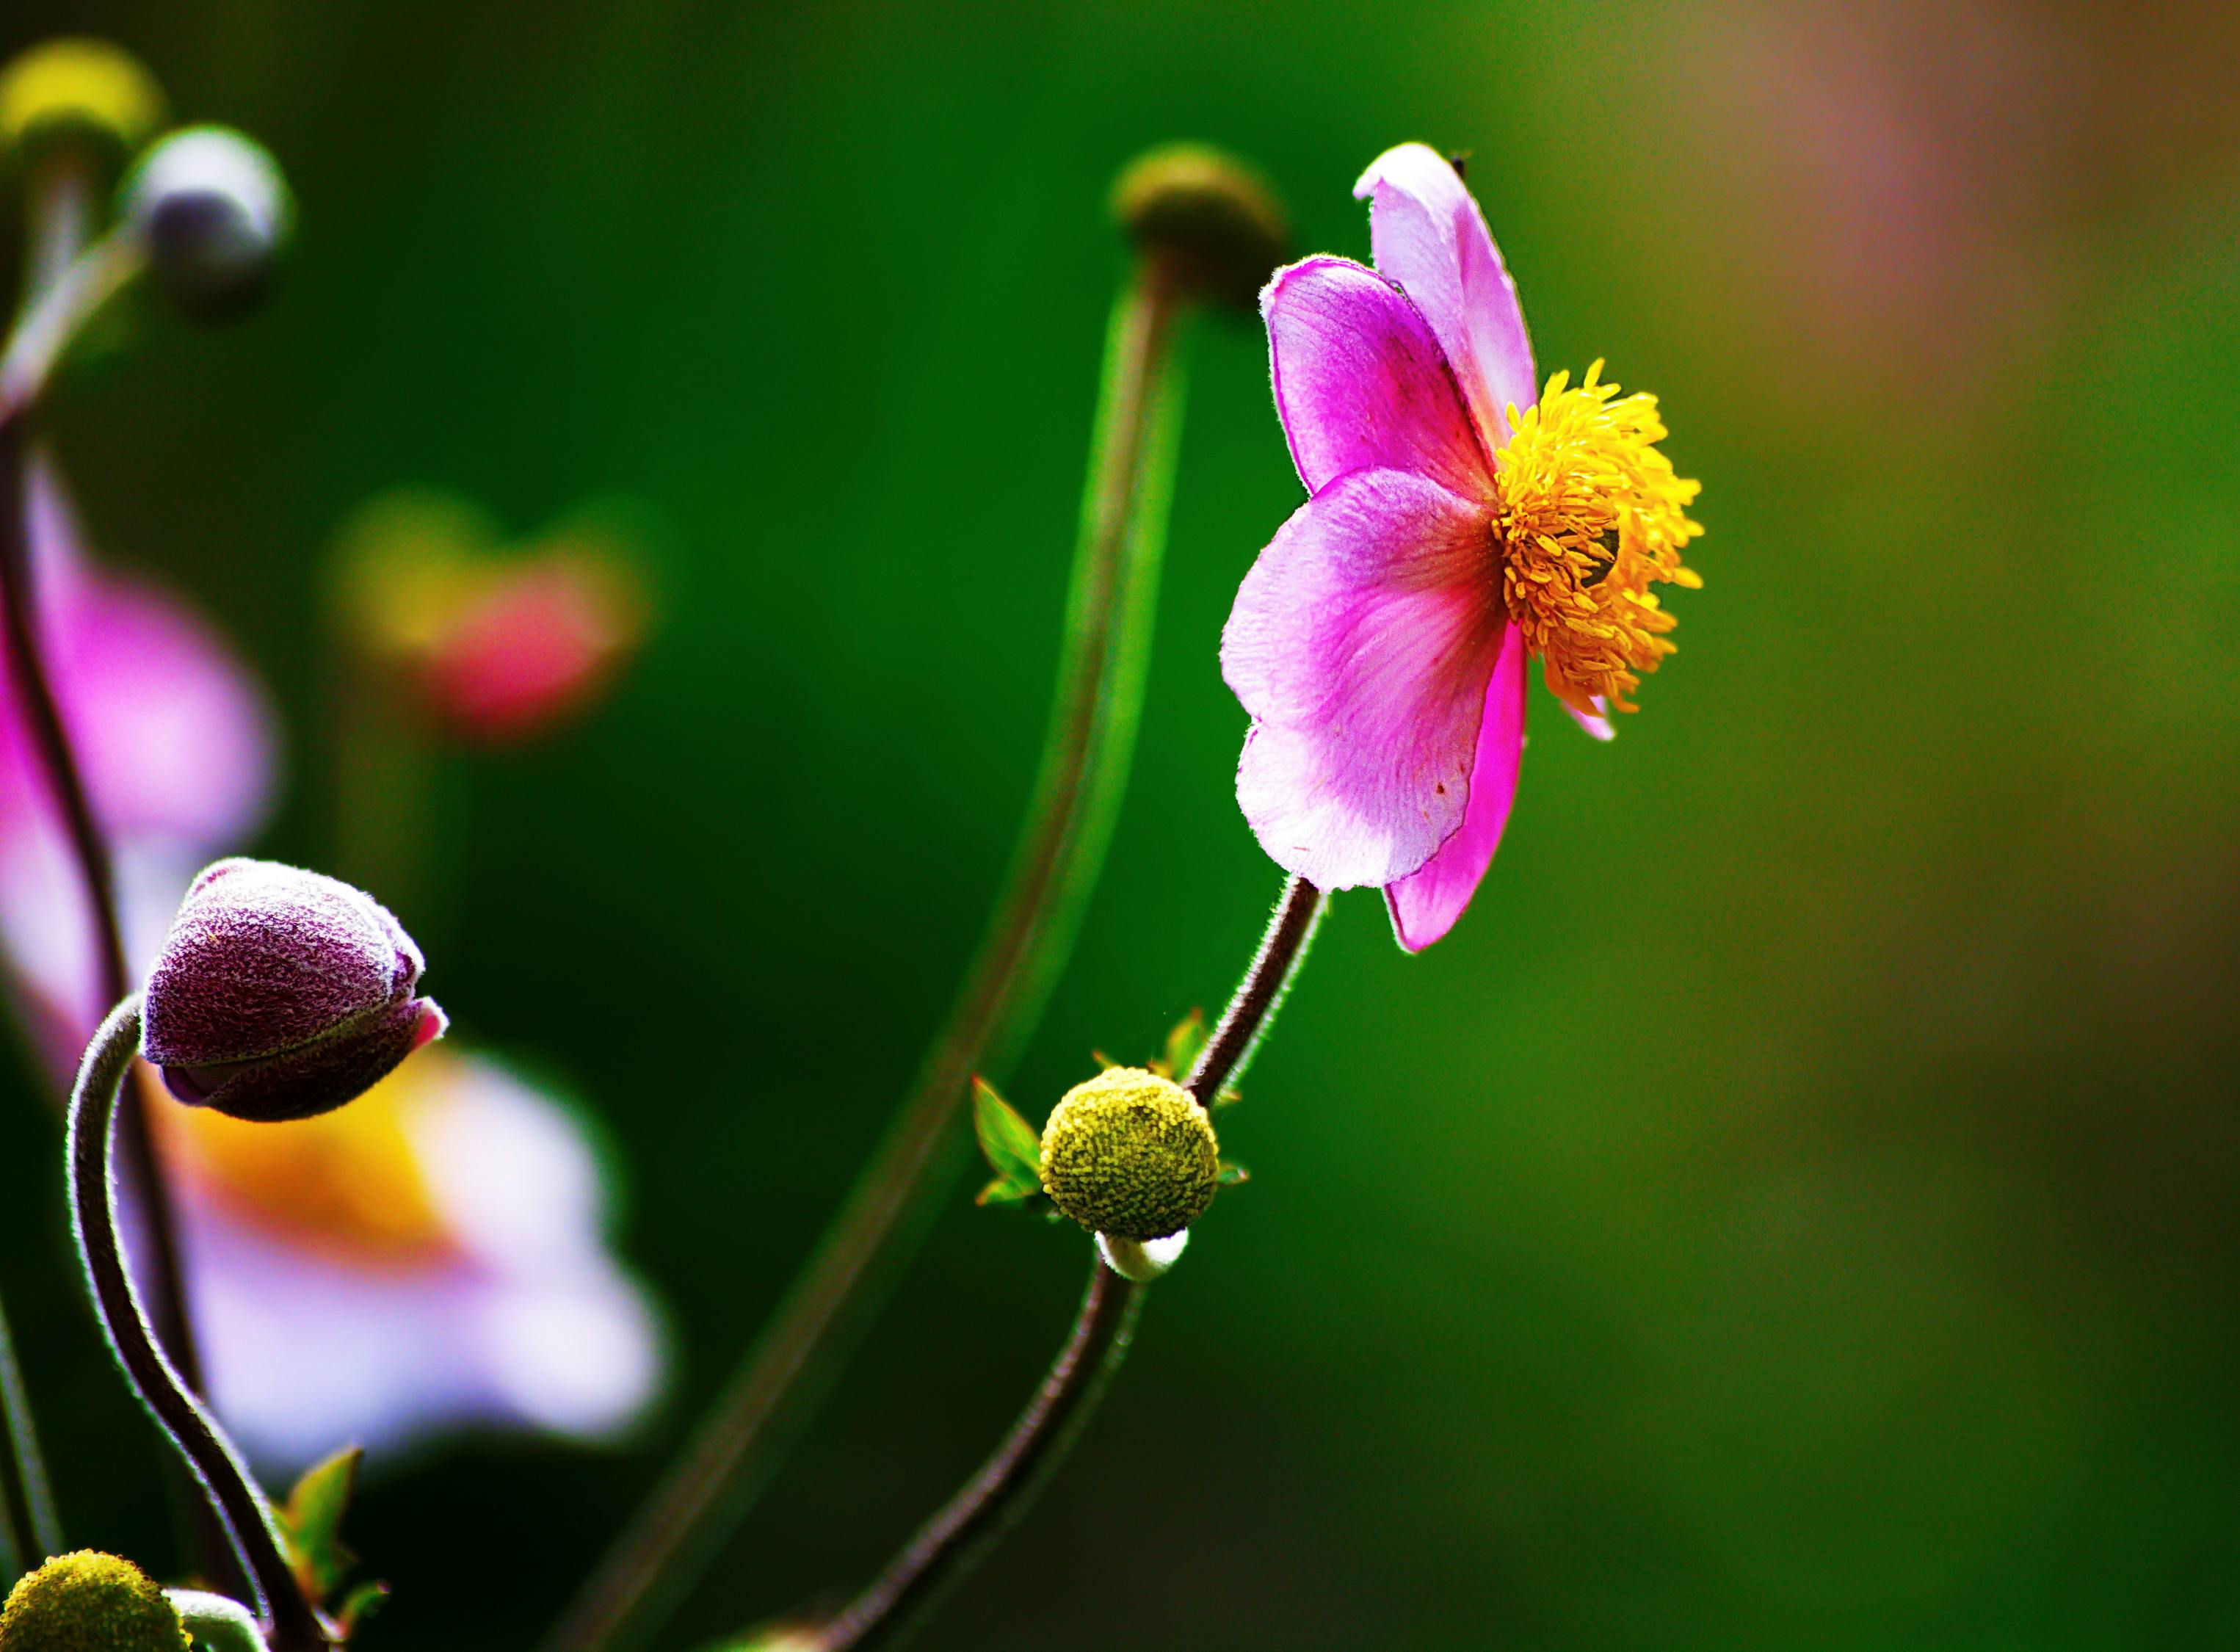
(30, 1528)
(947, 1545)
(35, 698)
(1283, 949)
(192, 1429)
(61, 302)
(1061, 850)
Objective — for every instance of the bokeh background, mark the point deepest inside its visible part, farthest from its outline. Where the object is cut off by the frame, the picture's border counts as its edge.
(1800, 1206)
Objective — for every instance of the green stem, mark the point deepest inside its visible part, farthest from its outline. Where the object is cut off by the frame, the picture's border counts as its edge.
(197, 1435)
(990, 1503)
(1084, 770)
(30, 1528)
(66, 292)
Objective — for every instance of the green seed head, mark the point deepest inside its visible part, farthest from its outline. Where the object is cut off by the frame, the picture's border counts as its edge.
(1128, 1154)
(89, 1602)
(1213, 220)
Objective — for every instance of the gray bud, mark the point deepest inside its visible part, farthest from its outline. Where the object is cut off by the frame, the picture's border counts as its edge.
(213, 211)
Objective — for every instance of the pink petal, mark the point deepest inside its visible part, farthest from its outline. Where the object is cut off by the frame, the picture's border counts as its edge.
(1428, 235)
(175, 736)
(1360, 643)
(1425, 904)
(1361, 382)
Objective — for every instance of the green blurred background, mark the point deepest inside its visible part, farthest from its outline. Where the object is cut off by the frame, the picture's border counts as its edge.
(1800, 1206)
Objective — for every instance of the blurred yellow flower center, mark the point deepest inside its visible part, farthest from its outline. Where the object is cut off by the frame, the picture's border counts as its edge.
(347, 1184)
(86, 82)
(1591, 516)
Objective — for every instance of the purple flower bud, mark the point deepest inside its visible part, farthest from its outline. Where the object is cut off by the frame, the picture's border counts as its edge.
(280, 994)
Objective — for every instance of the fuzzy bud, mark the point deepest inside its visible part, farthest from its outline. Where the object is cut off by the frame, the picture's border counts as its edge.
(88, 1601)
(214, 212)
(67, 90)
(1130, 1154)
(281, 994)
(1213, 220)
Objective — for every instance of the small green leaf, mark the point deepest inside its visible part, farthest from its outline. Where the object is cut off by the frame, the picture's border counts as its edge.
(312, 1522)
(1013, 1149)
(360, 1604)
(1184, 1045)
(1230, 1176)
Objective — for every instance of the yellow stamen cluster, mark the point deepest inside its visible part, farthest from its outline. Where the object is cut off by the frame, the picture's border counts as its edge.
(1591, 516)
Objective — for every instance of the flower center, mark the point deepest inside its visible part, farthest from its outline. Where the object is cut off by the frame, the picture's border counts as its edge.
(1591, 516)
(346, 1184)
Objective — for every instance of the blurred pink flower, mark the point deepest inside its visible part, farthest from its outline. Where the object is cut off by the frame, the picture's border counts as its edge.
(498, 644)
(317, 1324)
(540, 646)
(175, 742)
(1456, 523)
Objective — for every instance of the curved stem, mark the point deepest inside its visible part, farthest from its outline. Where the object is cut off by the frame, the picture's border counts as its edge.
(953, 1540)
(1061, 850)
(1283, 949)
(192, 1429)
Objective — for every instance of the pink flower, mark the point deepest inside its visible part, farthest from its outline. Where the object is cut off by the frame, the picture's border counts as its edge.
(1379, 642)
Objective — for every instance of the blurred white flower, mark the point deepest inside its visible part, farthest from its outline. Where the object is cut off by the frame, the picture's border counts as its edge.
(433, 1255)
(429, 1257)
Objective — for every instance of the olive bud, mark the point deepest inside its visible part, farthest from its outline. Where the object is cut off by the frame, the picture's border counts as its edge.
(1130, 1155)
(281, 994)
(1213, 223)
(88, 1601)
(213, 211)
(65, 90)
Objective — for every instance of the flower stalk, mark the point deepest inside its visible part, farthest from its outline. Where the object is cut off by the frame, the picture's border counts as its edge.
(1084, 774)
(30, 1527)
(199, 1438)
(57, 311)
(947, 1545)
(1267, 982)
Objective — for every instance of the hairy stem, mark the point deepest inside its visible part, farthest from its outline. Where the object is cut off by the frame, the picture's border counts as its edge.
(1061, 850)
(1283, 949)
(950, 1543)
(192, 1428)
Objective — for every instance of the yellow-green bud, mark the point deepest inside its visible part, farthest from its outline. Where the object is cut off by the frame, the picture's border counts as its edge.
(1128, 1154)
(89, 1602)
(73, 86)
(1214, 220)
